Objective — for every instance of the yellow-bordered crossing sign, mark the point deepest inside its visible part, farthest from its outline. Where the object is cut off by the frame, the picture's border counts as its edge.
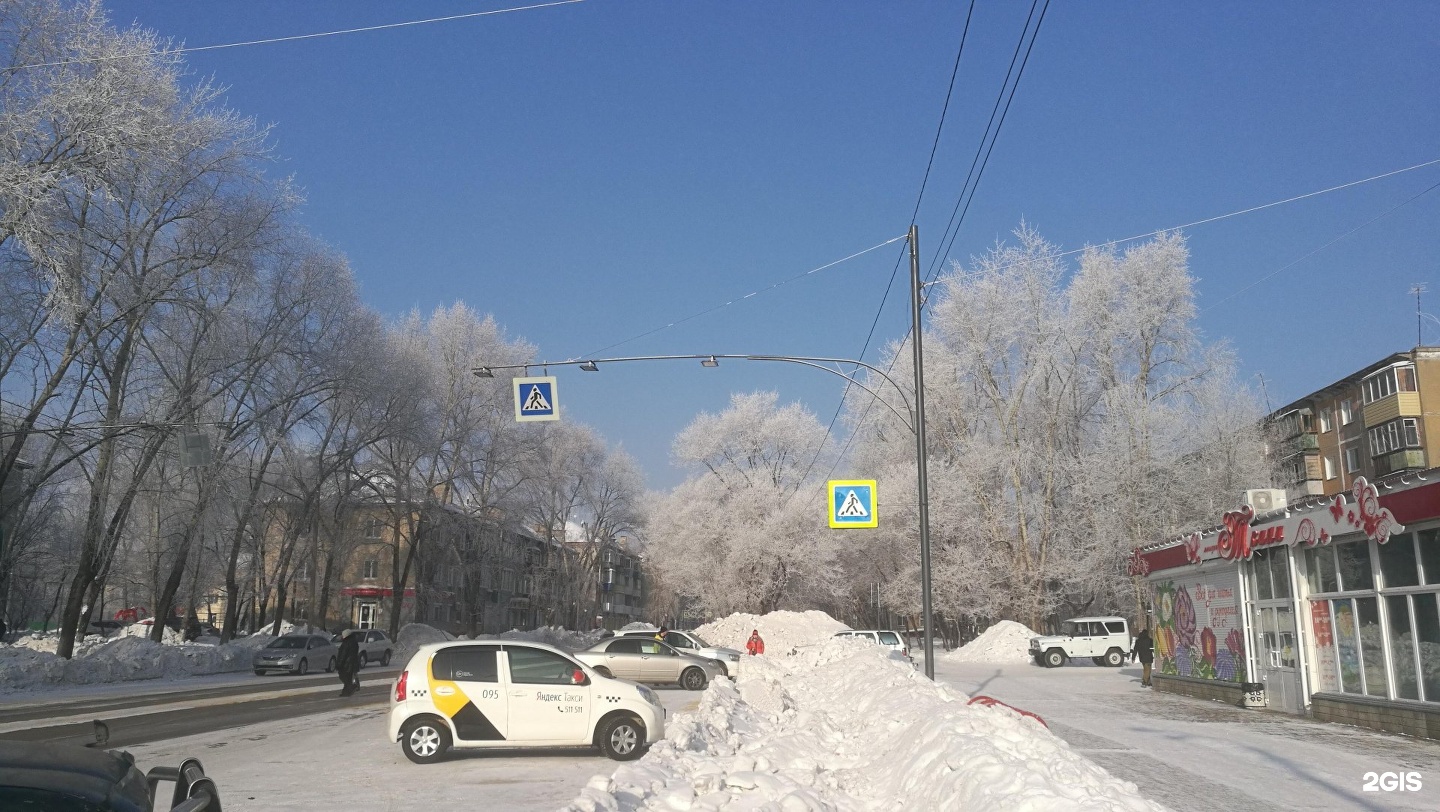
(852, 503)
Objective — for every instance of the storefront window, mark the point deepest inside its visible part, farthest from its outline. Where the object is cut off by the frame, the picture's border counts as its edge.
(1322, 630)
(1402, 646)
(1280, 570)
(1427, 628)
(1347, 646)
(1320, 569)
(1355, 572)
(1430, 554)
(1372, 645)
(1397, 562)
(1260, 566)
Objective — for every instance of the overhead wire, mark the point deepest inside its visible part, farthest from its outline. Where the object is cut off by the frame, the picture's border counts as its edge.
(890, 285)
(293, 37)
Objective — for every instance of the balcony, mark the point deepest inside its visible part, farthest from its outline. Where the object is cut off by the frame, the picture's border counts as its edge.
(1410, 459)
(1400, 404)
(1307, 443)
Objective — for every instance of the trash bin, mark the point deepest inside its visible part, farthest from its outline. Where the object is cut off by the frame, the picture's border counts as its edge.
(1253, 695)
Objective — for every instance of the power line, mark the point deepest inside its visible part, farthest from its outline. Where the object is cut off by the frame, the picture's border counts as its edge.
(295, 37)
(750, 295)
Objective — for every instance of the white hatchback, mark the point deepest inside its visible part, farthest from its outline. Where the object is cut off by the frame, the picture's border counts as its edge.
(881, 637)
(507, 694)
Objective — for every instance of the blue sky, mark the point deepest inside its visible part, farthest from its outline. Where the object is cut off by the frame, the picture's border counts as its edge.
(590, 172)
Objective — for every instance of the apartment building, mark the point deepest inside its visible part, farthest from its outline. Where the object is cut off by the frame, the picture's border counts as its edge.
(1372, 423)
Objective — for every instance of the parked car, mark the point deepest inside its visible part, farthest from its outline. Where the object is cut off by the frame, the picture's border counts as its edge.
(645, 659)
(1105, 640)
(105, 628)
(375, 647)
(690, 643)
(296, 654)
(45, 776)
(881, 637)
(503, 694)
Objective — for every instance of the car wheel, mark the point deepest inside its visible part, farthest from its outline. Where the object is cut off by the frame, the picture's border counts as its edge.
(259, 673)
(330, 666)
(622, 739)
(363, 659)
(1114, 658)
(604, 672)
(303, 668)
(1054, 658)
(693, 679)
(424, 741)
(385, 660)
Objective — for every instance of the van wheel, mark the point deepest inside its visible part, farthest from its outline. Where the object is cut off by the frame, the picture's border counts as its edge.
(1114, 657)
(603, 671)
(1098, 660)
(693, 679)
(622, 739)
(1054, 658)
(424, 741)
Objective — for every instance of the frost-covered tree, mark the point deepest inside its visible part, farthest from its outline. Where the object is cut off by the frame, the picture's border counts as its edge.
(743, 533)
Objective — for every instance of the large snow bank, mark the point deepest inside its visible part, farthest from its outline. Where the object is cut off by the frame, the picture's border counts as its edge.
(841, 726)
(32, 662)
(781, 631)
(1005, 642)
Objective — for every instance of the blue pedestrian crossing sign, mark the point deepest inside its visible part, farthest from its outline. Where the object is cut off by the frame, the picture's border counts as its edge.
(852, 503)
(535, 399)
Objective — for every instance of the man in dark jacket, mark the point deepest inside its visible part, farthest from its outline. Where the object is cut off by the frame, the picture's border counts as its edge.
(347, 662)
(1145, 651)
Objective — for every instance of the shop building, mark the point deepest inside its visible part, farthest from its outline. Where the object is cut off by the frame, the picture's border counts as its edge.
(1330, 604)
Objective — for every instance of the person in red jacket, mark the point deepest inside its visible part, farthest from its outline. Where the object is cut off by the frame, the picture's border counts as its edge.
(755, 645)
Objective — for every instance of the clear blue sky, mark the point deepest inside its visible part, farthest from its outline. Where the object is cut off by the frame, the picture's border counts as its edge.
(590, 172)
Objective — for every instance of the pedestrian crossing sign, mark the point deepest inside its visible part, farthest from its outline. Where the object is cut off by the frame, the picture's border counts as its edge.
(852, 503)
(535, 399)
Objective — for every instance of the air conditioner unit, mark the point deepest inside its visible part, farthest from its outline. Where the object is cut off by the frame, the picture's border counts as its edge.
(1264, 500)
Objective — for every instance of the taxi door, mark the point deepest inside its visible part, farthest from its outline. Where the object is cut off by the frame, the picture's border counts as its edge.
(549, 697)
(465, 686)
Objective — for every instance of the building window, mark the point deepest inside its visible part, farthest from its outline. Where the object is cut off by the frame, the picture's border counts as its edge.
(1387, 382)
(1346, 417)
(1325, 421)
(1395, 435)
(372, 568)
(1329, 467)
(371, 528)
(1352, 460)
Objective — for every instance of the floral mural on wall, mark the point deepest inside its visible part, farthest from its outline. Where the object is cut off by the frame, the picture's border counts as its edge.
(1202, 642)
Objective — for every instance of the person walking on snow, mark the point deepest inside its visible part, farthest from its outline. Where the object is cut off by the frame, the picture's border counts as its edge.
(755, 645)
(1144, 650)
(347, 662)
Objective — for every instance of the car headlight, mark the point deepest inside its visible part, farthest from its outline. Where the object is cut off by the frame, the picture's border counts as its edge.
(648, 695)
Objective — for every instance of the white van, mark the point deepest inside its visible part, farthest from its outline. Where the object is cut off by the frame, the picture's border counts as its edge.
(506, 694)
(1105, 640)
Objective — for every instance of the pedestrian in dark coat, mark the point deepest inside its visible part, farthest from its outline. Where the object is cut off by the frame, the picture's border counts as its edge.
(347, 662)
(1145, 650)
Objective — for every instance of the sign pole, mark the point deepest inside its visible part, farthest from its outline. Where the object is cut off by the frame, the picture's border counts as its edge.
(920, 447)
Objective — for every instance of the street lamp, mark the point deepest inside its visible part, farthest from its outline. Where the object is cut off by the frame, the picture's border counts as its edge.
(915, 421)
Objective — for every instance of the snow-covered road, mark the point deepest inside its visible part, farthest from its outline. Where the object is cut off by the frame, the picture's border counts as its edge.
(1192, 754)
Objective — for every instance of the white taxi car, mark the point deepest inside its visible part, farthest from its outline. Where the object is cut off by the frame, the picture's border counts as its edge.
(506, 694)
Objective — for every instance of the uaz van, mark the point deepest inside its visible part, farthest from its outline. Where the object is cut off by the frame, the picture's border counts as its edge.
(1105, 640)
(504, 694)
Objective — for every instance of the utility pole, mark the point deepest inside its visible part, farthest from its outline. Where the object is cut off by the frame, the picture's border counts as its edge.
(1417, 289)
(923, 490)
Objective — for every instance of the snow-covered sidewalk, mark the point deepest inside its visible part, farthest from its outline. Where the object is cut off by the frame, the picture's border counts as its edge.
(1191, 754)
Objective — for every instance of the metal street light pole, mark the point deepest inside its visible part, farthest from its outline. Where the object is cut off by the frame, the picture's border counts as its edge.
(923, 490)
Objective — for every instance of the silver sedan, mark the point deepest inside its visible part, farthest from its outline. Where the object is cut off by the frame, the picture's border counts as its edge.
(297, 654)
(645, 660)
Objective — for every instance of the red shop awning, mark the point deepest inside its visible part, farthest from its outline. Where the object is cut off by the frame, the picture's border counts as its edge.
(373, 592)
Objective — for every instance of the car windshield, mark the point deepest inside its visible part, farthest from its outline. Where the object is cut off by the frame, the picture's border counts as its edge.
(287, 642)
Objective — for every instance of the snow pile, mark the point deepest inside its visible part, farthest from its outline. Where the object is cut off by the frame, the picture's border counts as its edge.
(414, 635)
(781, 631)
(841, 726)
(120, 659)
(1005, 642)
(142, 629)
